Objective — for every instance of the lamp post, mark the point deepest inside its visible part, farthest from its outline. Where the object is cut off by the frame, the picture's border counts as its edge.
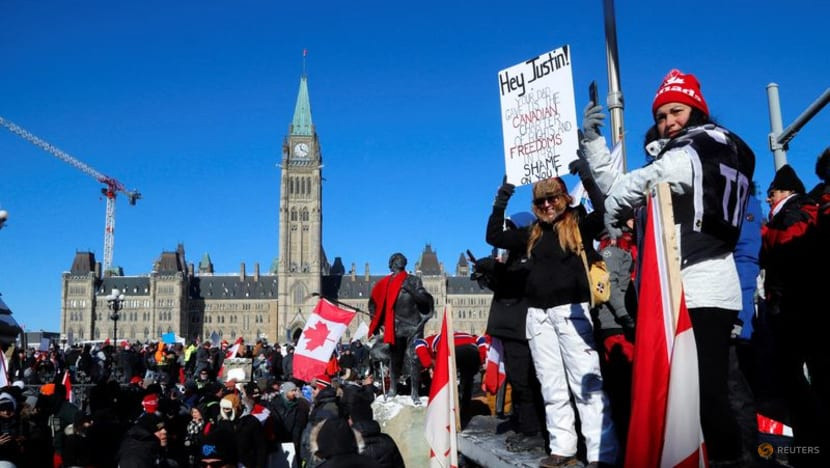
(114, 301)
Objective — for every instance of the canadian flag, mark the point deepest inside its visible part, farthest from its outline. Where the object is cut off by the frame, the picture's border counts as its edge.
(67, 383)
(665, 411)
(440, 430)
(494, 373)
(321, 334)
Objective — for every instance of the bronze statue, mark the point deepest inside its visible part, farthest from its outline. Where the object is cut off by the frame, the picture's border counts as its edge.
(401, 306)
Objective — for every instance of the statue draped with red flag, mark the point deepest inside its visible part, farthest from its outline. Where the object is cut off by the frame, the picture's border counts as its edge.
(401, 306)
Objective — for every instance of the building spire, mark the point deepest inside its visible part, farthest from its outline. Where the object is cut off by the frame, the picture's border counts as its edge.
(301, 124)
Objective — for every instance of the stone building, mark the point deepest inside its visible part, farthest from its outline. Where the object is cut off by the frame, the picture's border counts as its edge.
(198, 303)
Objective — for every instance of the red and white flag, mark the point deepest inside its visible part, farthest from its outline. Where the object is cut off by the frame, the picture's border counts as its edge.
(494, 373)
(234, 350)
(440, 430)
(665, 411)
(321, 334)
(67, 383)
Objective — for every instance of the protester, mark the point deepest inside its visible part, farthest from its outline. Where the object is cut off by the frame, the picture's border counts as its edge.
(290, 412)
(378, 446)
(790, 243)
(742, 356)
(78, 447)
(145, 444)
(218, 450)
(335, 444)
(357, 395)
(248, 432)
(559, 327)
(708, 169)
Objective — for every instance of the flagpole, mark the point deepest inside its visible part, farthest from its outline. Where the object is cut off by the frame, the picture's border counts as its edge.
(662, 195)
(615, 96)
(453, 373)
(335, 301)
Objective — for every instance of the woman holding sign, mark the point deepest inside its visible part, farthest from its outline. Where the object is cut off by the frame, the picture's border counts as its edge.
(559, 326)
(708, 169)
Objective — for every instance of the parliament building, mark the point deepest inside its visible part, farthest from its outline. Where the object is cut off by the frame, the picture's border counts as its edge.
(195, 303)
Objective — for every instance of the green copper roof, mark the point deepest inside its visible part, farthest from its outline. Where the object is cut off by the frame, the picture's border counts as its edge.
(301, 125)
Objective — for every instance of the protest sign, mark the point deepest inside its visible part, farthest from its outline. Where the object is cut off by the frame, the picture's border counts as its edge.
(538, 117)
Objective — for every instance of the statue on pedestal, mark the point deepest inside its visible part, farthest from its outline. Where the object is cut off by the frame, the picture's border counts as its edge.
(401, 306)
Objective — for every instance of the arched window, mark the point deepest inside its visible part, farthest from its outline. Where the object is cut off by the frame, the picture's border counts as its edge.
(146, 333)
(305, 214)
(308, 184)
(293, 214)
(290, 185)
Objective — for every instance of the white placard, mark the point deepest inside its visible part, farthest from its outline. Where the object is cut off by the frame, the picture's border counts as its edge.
(538, 117)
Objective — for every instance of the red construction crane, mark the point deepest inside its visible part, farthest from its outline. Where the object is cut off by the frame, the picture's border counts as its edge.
(113, 186)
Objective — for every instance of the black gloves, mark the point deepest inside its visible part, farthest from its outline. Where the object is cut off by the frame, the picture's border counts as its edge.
(592, 118)
(580, 166)
(483, 270)
(503, 195)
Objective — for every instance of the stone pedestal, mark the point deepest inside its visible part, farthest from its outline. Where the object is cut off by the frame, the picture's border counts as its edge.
(404, 421)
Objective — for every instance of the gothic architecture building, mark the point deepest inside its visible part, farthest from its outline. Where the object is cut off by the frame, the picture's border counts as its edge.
(195, 302)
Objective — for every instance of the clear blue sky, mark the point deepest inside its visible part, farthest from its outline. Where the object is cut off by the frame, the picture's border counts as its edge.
(189, 101)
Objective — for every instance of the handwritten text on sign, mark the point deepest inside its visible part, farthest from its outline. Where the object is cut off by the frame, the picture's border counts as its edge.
(538, 117)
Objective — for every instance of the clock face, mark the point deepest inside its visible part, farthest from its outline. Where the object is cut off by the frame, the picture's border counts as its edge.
(301, 150)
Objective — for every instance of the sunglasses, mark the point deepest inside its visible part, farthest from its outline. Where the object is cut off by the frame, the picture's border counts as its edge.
(549, 198)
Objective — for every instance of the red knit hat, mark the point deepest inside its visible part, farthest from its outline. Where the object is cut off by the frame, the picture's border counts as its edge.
(677, 87)
(322, 381)
(150, 403)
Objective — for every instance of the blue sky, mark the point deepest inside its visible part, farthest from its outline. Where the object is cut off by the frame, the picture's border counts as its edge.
(189, 102)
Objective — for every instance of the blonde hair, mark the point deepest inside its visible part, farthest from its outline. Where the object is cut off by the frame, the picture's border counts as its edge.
(567, 226)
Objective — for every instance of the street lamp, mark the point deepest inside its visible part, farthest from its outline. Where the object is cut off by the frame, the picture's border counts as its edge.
(114, 301)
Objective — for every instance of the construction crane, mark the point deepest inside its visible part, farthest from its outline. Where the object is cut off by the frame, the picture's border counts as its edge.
(113, 186)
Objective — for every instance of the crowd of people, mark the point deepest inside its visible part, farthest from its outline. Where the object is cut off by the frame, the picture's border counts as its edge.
(568, 358)
(745, 284)
(157, 405)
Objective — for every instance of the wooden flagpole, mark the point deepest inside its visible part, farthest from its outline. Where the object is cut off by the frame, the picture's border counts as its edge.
(453, 377)
(662, 195)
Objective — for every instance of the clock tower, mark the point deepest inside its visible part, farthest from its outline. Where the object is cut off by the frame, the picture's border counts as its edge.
(301, 259)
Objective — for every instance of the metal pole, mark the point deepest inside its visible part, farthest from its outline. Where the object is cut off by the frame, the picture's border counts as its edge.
(779, 139)
(789, 133)
(615, 96)
(778, 150)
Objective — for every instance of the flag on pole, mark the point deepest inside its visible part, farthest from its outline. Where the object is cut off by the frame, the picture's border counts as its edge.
(665, 389)
(494, 373)
(234, 350)
(440, 430)
(67, 383)
(578, 193)
(322, 331)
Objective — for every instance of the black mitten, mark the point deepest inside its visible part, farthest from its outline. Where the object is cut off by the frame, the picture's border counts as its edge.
(503, 195)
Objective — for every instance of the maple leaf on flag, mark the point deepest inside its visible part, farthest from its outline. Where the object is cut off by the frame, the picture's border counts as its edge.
(316, 336)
